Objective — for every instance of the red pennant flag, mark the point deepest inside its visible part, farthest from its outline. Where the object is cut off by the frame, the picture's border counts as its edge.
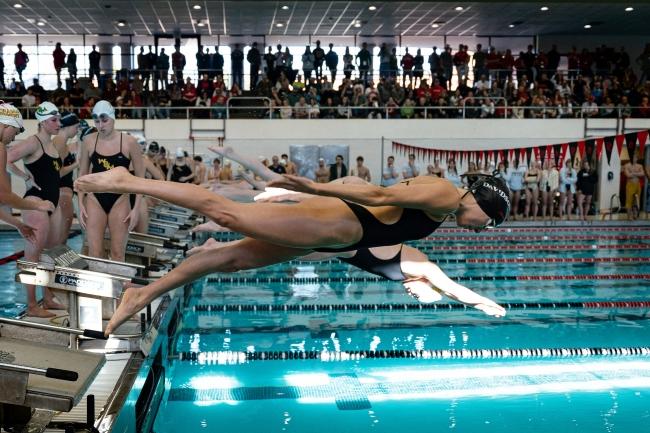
(599, 147)
(581, 148)
(620, 139)
(588, 150)
(565, 147)
(642, 136)
(630, 143)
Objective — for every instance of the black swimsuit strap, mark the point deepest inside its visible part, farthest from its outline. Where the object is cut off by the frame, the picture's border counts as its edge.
(96, 140)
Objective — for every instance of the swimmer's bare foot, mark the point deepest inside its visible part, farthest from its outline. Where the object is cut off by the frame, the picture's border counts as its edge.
(130, 304)
(469, 297)
(210, 243)
(106, 181)
(53, 305)
(209, 226)
(37, 311)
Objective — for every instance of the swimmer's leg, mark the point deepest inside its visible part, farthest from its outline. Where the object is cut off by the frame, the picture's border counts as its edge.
(245, 254)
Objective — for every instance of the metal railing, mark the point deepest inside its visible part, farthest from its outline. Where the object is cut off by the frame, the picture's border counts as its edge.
(269, 111)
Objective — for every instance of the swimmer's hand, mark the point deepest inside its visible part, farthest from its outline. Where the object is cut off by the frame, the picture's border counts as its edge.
(294, 183)
(275, 195)
(45, 206)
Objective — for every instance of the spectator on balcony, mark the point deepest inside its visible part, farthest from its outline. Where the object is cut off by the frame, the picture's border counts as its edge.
(589, 107)
(573, 63)
(59, 62)
(204, 84)
(237, 64)
(479, 62)
(624, 108)
(541, 64)
(189, 93)
(178, 64)
(136, 103)
(202, 61)
(301, 109)
(585, 60)
(86, 110)
(348, 64)
(392, 109)
(608, 109)
(216, 64)
(384, 61)
(565, 108)
(20, 61)
(343, 110)
(307, 63)
(162, 102)
(328, 109)
(66, 106)
(418, 67)
(28, 100)
(255, 61)
(435, 65)
(142, 61)
(407, 63)
(286, 112)
(332, 61)
(319, 59)
(152, 60)
(218, 103)
(553, 60)
(269, 64)
(407, 111)
(461, 62)
(363, 61)
(529, 59)
(162, 69)
(644, 108)
(202, 103)
(481, 84)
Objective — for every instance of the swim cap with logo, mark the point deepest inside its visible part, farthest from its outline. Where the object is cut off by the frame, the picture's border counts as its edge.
(45, 111)
(68, 119)
(10, 116)
(493, 197)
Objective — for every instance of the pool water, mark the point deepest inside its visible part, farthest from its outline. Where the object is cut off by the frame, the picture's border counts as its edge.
(245, 329)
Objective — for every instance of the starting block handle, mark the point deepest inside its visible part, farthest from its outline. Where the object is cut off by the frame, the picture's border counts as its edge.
(98, 335)
(57, 373)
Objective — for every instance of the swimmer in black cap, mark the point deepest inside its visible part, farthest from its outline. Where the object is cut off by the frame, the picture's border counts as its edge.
(342, 218)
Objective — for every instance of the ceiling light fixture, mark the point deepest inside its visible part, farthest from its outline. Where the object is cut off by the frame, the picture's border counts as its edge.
(543, 8)
(279, 25)
(629, 9)
(31, 20)
(285, 7)
(511, 26)
(121, 23)
(587, 26)
(458, 8)
(435, 25)
(200, 24)
(372, 8)
(18, 6)
(357, 25)
(40, 23)
(196, 7)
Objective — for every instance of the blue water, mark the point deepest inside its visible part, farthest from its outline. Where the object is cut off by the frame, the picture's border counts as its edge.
(577, 394)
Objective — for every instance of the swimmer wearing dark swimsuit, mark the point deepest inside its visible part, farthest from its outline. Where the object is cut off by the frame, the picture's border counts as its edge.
(412, 225)
(45, 171)
(179, 171)
(101, 163)
(388, 268)
(66, 181)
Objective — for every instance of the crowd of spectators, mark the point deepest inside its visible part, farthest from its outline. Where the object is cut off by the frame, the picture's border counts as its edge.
(448, 84)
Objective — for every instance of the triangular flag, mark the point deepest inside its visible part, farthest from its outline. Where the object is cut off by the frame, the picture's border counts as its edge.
(573, 149)
(620, 139)
(565, 147)
(557, 150)
(529, 154)
(642, 136)
(599, 147)
(588, 149)
(630, 143)
(581, 148)
(609, 146)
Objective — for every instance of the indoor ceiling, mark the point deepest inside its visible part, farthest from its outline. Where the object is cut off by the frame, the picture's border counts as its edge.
(334, 18)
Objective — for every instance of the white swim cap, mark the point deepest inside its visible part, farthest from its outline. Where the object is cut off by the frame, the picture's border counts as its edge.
(180, 153)
(45, 111)
(103, 108)
(9, 115)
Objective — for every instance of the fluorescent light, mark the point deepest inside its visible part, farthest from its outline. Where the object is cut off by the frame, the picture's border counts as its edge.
(357, 25)
(459, 8)
(201, 24)
(435, 25)
(543, 8)
(587, 26)
(196, 7)
(40, 23)
(18, 5)
(372, 8)
(511, 25)
(279, 25)
(285, 7)
(629, 9)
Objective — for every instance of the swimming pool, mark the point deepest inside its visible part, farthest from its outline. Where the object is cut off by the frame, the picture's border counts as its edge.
(323, 347)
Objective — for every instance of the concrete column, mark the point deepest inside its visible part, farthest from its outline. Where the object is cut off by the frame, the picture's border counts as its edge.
(127, 59)
(106, 60)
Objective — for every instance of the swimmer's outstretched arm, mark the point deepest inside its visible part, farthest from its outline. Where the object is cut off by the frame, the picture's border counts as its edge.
(416, 264)
(244, 254)
(439, 197)
(250, 163)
